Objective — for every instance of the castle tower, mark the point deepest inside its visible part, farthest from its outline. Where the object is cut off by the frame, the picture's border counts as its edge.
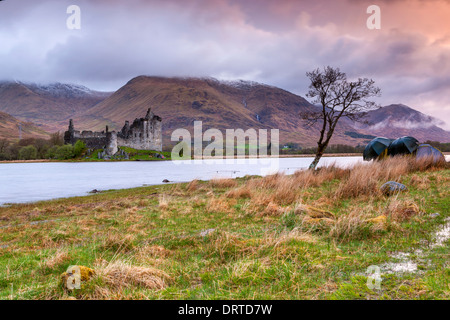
(149, 115)
(68, 135)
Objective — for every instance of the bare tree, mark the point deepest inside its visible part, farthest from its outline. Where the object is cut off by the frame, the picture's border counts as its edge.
(3, 145)
(56, 139)
(338, 98)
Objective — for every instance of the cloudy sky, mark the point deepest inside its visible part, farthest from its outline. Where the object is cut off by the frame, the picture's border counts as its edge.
(269, 41)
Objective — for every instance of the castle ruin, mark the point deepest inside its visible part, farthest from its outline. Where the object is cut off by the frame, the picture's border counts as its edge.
(143, 134)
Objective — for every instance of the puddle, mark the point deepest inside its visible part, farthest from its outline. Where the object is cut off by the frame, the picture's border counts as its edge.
(406, 264)
(442, 235)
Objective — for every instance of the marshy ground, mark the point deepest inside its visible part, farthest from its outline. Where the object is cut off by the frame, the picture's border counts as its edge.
(310, 235)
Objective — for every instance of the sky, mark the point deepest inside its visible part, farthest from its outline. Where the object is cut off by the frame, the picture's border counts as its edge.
(270, 41)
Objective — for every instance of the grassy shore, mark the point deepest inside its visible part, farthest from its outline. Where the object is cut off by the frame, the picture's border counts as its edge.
(304, 236)
(144, 156)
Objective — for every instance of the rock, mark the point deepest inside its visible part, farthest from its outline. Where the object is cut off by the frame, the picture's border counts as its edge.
(94, 191)
(392, 187)
(85, 274)
(165, 181)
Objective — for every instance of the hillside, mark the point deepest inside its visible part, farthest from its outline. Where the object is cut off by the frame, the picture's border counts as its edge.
(45, 105)
(9, 128)
(398, 120)
(219, 104)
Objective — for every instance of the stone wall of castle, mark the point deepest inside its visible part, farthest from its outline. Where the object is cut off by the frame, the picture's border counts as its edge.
(144, 134)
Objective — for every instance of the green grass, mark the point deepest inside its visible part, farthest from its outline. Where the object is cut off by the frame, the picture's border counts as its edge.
(250, 255)
(134, 155)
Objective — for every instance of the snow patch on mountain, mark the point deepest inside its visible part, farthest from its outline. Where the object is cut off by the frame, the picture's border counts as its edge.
(241, 84)
(60, 89)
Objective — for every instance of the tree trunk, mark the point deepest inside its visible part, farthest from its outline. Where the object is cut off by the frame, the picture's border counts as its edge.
(319, 154)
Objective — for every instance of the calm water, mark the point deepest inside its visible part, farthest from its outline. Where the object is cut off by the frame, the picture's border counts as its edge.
(29, 182)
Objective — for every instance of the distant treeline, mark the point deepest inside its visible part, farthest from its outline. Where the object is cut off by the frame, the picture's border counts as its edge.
(294, 148)
(54, 148)
(34, 148)
(444, 147)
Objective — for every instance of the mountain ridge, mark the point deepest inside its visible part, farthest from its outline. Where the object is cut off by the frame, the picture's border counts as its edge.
(46, 105)
(220, 104)
(12, 128)
(397, 120)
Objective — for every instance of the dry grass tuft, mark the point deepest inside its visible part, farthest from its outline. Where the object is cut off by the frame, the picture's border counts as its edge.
(164, 201)
(121, 274)
(142, 203)
(348, 226)
(362, 181)
(152, 251)
(392, 169)
(131, 211)
(111, 279)
(278, 188)
(267, 182)
(402, 210)
(286, 191)
(228, 246)
(310, 178)
(295, 234)
(419, 182)
(192, 186)
(223, 183)
(117, 242)
(196, 201)
(365, 179)
(243, 192)
(220, 205)
(428, 164)
(312, 212)
(272, 209)
(177, 190)
(60, 257)
(260, 198)
(124, 204)
(246, 268)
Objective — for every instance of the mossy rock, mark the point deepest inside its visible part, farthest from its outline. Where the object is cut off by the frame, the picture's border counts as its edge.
(85, 274)
(379, 219)
(392, 187)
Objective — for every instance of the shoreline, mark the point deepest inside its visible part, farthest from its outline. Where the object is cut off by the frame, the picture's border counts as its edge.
(328, 155)
(204, 158)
